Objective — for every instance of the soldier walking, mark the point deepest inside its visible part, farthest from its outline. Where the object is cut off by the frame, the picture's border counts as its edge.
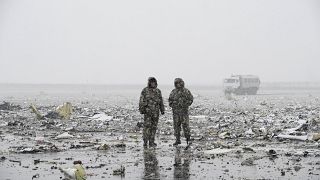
(150, 104)
(180, 99)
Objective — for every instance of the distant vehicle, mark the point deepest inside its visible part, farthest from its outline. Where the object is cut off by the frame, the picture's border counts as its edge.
(241, 84)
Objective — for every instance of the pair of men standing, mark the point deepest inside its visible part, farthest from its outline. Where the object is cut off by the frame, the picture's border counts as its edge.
(151, 105)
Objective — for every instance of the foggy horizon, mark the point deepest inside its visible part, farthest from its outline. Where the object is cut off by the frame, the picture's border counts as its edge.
(214, 84)
(118, 43)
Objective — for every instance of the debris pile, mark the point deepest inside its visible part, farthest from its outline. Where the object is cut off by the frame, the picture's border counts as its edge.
(237, 132)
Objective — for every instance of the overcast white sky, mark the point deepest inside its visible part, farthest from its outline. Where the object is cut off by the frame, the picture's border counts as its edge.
(126, 41)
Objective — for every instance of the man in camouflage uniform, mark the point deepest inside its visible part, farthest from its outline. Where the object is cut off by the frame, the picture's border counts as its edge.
(180, 99)
(151, 103)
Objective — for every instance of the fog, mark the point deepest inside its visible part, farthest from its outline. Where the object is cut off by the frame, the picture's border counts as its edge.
(125, 42)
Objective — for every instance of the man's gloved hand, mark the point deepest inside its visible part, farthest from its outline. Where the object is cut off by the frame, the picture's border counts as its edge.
(162, 112)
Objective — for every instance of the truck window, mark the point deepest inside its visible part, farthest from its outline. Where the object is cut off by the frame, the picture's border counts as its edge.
(229, 80)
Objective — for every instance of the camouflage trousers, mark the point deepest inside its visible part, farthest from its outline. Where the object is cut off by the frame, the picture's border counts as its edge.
(181, 120)
(150, 127)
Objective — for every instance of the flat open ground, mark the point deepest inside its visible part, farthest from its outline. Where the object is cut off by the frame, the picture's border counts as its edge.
(233, 139)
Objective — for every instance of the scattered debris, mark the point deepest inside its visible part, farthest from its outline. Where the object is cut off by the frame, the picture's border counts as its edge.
(9, 107)
(76, 172)
(272, 152)
(218, 151)
(80, 173)
(119, 172)
(3, 158)
(36, 149)
(35, 176)
(249, 132)
(248, 149)
(3, 123)
(120, 145)
(316, 136)
(101, 117)
(241, 130)
(103, 147)
(61, 112)
(15, 161)
(35, 110)
(224, 135)
(65, 110)
(248, 162)
(64, 135)
(301, 138)
(96, 167)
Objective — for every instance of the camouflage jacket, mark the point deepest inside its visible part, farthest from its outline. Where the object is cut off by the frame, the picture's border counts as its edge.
(151, 101)
(180, 100)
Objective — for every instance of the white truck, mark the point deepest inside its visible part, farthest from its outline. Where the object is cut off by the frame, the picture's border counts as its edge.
(241, 84)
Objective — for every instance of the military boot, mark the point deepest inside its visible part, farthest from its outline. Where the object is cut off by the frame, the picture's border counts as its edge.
(188, 140)
(145, 144)
(152, 144)
(177, 142)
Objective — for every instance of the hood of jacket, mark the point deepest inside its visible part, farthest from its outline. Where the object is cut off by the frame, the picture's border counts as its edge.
(178, 83)
(150, 80)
